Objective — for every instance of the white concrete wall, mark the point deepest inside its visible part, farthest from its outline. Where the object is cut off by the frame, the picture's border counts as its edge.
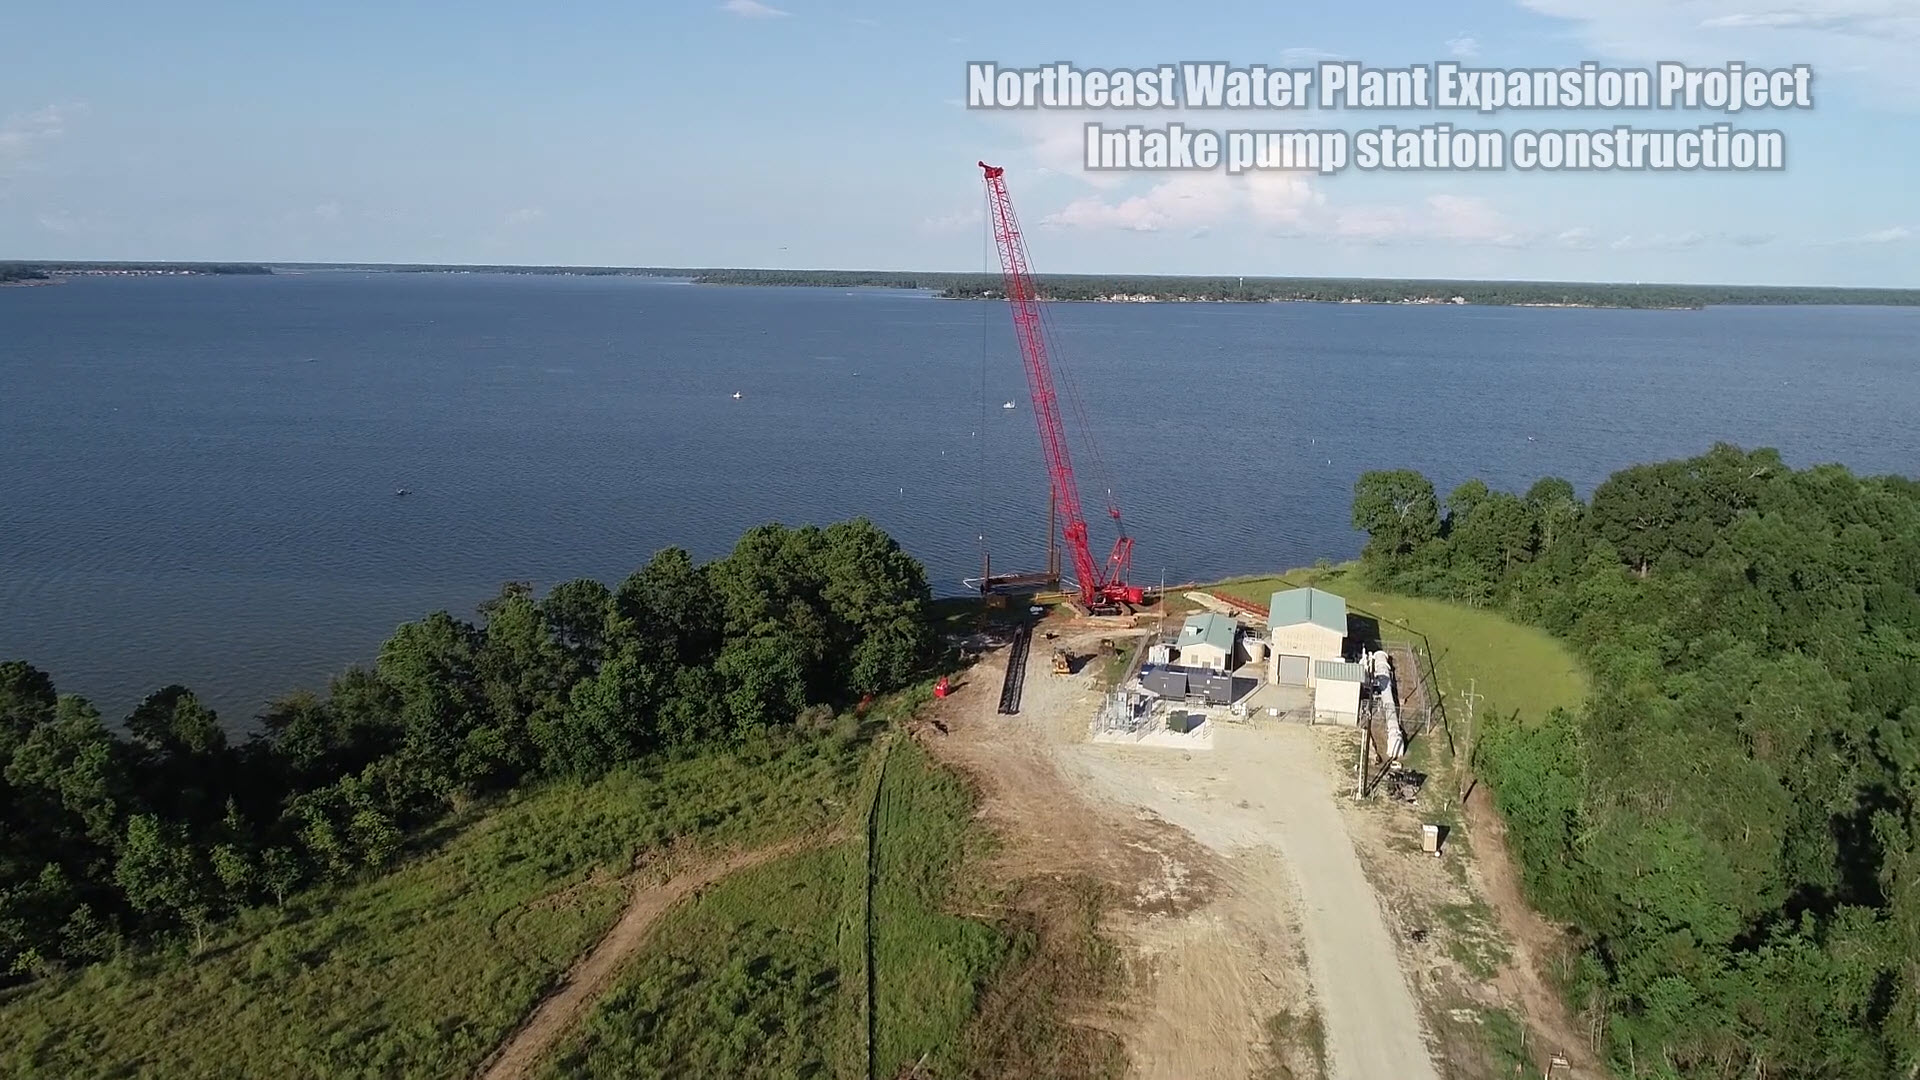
(1302, 639)
(1336, 700)
(1202, 655)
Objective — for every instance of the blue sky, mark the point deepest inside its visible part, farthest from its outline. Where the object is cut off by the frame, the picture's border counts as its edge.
(808, 133)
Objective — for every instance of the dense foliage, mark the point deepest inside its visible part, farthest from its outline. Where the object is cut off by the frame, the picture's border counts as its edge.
(168, 825)
(1732, 821)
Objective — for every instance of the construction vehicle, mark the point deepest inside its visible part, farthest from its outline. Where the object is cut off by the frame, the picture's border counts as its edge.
(1062, 663)
(1101, 589)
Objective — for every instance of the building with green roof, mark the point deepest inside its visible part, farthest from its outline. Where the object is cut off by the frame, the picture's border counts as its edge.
(1206, 640)
(1304, 626)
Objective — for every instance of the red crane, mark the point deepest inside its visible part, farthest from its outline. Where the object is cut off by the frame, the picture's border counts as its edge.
(1100, 587)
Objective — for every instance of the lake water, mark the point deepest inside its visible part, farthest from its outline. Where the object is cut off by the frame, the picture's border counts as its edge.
(198, 475)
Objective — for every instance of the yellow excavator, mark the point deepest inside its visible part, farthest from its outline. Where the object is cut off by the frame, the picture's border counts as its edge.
(1062, 663)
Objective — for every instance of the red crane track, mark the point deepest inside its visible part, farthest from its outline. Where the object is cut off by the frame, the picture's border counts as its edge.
(1100, 586)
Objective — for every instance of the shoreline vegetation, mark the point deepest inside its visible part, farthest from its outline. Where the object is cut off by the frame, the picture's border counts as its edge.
(47, 273)
(1729, 824)
(1094, 288)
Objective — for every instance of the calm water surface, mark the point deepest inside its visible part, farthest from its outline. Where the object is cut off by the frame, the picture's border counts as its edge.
(199, 473)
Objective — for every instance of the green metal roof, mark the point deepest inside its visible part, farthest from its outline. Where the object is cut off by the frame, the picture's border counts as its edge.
(1208, 628)
(1335, 671)
(1291, 607)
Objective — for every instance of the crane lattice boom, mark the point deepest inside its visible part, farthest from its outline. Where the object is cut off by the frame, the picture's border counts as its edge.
(1099, 586)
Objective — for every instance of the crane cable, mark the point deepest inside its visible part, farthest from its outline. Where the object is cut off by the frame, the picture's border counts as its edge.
(987, 255)
(1063, 373)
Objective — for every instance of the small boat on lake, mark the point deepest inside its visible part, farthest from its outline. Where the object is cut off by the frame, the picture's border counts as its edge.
(1008, 405)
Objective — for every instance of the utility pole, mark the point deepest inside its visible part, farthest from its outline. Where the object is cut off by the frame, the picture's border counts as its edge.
(1472, 696)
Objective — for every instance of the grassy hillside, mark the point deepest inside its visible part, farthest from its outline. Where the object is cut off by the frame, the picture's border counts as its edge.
(773, 972)
(421, 972)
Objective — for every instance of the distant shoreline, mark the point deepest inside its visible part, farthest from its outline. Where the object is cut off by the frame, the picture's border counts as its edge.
(1099, 288)
(21, 272)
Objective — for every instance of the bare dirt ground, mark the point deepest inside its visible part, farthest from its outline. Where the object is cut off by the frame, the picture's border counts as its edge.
(656, 889)
(1244, 904)
(1469, 942)
(1536, 943)
(1261, 799)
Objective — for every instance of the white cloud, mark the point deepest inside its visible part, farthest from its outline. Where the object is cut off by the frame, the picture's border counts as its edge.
(1056, 144)
(1287, 204)
(1874, 40)
(1659, 241)
(955, 222)
(1896, 234)
(1192, 202)
(24, 134)
(1451, 220)
(1183, 202)
(1307, 56)
(753, 9)
(1579, 238)
(60, 222)
(1689, 239)
(1464, 46)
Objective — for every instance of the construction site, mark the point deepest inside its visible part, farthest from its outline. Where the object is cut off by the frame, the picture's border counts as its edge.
(1239, 774)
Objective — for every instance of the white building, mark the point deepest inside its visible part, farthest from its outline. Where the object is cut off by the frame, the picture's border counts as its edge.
(1206, 641)
(1336, 692)
(1304, 626)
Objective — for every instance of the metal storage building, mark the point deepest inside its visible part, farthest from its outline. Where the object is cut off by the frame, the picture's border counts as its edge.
(1304, 626)
(1206, 641)
(1336, 692)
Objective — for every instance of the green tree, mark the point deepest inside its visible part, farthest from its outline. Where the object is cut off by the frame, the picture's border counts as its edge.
(27, 700)
(763, 680)
(431, 666)
(576, 615)
(70, 778)
(608, 719)
(1397, 510)
(163, 876)
(669, 608)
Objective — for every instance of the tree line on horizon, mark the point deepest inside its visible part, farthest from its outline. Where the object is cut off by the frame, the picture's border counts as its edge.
(38, 271)
(1731, 822)
(109, 837)
(1224, 288)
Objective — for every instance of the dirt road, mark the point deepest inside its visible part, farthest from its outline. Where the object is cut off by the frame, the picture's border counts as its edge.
(1271, 913)
(592, 975)
(1261, 793)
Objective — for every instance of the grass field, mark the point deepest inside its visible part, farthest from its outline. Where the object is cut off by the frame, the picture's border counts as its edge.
(766, 975)
(1517, 670)
(421, 972)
